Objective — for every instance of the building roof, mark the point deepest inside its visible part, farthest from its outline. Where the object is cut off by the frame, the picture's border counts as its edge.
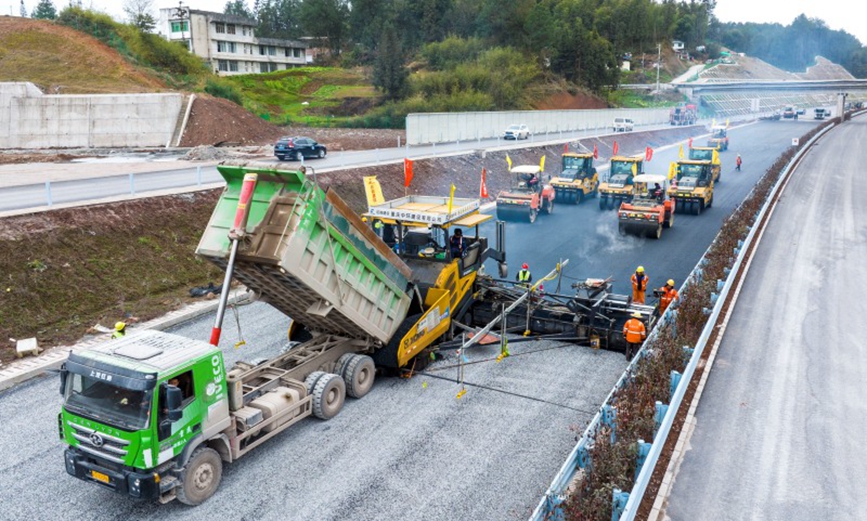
(282, 43)
(227, 18)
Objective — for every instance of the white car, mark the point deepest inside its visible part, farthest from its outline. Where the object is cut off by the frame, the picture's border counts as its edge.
(517, 132)
(623, 125)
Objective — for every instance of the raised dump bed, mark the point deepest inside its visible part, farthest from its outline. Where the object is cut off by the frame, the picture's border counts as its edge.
(308, 255)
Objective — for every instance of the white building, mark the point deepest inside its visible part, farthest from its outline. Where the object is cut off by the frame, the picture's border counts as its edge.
(228, 43)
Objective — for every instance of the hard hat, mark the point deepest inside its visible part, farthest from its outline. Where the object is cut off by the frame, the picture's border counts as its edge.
(671, 282)
(525, 266)
(364, 219)
(119, 326)
(640, 269)
(636, 315)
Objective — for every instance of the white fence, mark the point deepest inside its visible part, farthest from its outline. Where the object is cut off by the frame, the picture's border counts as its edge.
(442, 127)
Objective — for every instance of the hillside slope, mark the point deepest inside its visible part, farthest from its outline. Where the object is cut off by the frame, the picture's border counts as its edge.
(62, 60)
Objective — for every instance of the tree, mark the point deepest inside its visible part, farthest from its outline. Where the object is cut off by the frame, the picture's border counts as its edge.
(277, 18)
(389, 73)
(328, 19)
(140, 14)
(44, 10)
(23, 10)
(238, 8)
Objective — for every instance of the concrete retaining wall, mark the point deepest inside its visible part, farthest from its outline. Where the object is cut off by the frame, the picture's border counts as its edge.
(439, 127)
(30, 119)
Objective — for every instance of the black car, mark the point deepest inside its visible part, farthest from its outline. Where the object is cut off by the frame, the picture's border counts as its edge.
(296, 147)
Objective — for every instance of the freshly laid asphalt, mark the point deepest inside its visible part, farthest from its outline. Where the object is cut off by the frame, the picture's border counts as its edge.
(410, 449)
(781, 425)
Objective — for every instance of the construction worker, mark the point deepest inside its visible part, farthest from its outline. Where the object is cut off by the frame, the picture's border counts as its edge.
(639, 285)
(119, 330)
(524, 276)
(669, 295)
(634, 333)
(738, 162)
(458, 244)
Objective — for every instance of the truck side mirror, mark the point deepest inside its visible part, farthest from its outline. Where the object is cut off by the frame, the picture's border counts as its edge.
(64, 374)
(174, 397)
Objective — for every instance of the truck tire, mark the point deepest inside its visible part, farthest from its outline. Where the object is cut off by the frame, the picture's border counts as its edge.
(200, 477)
(328, 396)
(668, 223)
(359, 375)
(312, 379)
(621, 229)
(387, 356)
(603, 202)
(533, 214)
(658, 233)
(579, 196)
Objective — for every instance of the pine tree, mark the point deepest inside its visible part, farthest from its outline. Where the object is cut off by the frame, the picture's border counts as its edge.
(23, 10)
(389, 73)
(45, 10)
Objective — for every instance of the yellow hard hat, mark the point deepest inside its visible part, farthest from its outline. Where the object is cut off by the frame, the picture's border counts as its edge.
(640, 269)
(636, 315)
(671, 282)
(119, 326)
(364, 219)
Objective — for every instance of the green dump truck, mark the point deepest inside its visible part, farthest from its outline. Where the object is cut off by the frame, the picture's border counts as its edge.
(155, 415)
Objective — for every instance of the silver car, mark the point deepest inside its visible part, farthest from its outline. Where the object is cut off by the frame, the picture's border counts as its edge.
(517, 132)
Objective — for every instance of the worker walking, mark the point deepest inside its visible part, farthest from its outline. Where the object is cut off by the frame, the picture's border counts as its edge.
(669, 295)
(738, 162)
(639, 285)
(119, 330)
(524, 276)
(634, 333)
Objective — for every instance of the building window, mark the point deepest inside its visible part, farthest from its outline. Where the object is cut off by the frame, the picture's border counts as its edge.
(298, 53)
(226, 46)
(221, 27)
(268, 50)
(233, 66)
(223, 65)
(288, 52)
(267, 67)
(180, 26)
(230, 28)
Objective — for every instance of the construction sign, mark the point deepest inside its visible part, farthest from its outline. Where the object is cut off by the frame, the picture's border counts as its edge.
(407, 172)
(373, 191)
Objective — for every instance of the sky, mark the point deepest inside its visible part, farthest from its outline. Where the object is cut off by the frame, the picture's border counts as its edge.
(848, 15)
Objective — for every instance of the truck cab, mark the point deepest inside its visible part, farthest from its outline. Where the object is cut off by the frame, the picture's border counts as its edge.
(692, 190)
(134, 409)
(619, 185)
(718, 138)
(578, 178)
(708, 154)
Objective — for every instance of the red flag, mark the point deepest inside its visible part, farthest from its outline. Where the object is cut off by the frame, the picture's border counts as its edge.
(565, 148)
(614, 151)
(689, 145)
(648, 154)
(595, 151)
(407, 172)
(483, 189)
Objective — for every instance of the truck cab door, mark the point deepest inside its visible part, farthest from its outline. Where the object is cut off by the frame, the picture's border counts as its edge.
(178, 413)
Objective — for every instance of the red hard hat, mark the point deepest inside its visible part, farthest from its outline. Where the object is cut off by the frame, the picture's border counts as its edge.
(525, 266)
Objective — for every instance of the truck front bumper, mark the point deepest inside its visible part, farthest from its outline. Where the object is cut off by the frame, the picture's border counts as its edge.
(126, 481)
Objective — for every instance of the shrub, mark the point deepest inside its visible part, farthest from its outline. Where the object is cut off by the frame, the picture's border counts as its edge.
(223, 89)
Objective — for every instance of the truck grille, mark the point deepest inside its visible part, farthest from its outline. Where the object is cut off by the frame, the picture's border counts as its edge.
(99, 444)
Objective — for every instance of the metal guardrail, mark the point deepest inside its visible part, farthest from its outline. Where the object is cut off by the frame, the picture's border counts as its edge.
(549, 505)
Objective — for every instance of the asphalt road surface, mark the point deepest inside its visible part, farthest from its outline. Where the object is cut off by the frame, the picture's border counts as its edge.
(37, 195)
(410, 449)
(781, 425)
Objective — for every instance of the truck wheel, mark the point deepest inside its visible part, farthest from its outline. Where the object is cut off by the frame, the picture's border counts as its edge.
(312, 379)
(668, 223)
(603, 202)
(579, 196)
(359, 375)
(710, 203)
(621, 228)
(699, 206)
(658, 233)
(201, 477)
(328, 396)
(341, 365)
(533, 214)
(611, 203)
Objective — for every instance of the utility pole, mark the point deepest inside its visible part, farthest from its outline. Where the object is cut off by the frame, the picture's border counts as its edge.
(658, 59)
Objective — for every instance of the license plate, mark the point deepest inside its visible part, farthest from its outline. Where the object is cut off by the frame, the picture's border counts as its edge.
(99, 476)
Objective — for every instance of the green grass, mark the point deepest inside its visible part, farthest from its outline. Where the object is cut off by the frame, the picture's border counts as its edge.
(639, 99)
(306, 95)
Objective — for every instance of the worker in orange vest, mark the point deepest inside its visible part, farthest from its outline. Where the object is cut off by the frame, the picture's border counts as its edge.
(639, 285)
(634, 333)
(669, 295)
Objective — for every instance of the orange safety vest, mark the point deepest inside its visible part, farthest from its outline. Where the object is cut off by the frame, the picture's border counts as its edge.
(639, 287)
(634, 331)
(668, 296)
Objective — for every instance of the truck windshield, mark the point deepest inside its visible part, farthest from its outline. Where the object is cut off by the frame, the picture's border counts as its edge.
(719, 133)
(701, 155)
(574, 167)
(101, 401)
(690, 171)
(621, 167)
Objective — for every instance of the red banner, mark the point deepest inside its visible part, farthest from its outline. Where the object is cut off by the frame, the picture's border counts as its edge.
(595, 151)
(648, 154)
(689, 145)
(407, 172)
(615, 149)
(565, 148)
(483, 189)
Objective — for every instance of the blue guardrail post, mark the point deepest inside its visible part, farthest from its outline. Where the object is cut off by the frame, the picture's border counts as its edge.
(661, 409)
(675, 380)
(618, 503)
(643, 451)
(609, 418)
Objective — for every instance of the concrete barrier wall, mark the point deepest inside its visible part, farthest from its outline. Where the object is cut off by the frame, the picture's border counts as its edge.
(30, 119)
(439, 127)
